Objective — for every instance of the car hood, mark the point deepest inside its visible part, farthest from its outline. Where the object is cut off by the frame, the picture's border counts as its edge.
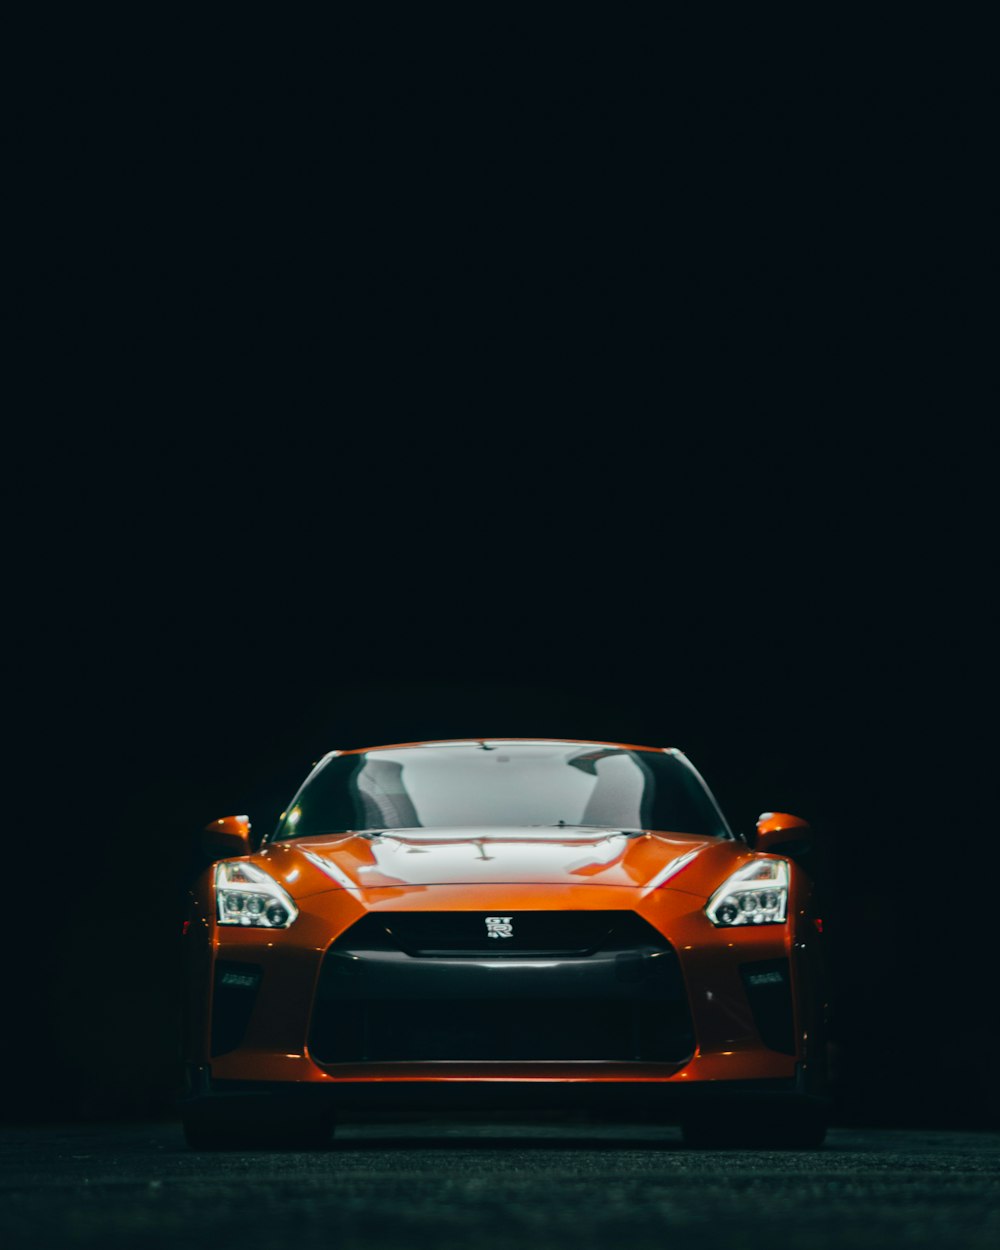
(426, 857)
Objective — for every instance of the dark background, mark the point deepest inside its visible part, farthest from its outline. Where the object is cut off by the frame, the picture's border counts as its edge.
(432, 407)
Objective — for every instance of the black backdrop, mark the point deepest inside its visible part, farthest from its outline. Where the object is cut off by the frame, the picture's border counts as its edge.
(660, 430)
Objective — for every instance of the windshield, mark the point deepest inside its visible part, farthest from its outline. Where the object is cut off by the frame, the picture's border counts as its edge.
(526, 785)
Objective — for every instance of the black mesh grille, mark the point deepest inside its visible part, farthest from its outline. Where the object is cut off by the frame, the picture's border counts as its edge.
(502, 1029)
(578, 986)
(454, 933)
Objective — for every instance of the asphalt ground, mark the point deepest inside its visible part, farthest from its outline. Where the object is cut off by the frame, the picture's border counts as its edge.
(488, 1186)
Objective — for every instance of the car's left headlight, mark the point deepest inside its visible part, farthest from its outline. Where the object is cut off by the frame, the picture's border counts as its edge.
(757, 893)
(246, 895)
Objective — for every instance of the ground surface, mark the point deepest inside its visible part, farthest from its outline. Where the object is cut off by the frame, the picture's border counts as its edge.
(487, 1187)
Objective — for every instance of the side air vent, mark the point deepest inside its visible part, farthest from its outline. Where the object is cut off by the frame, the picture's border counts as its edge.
(234, 994)
(769, 990)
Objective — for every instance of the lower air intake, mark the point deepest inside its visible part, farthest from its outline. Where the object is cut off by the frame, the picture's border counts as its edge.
(618, 997)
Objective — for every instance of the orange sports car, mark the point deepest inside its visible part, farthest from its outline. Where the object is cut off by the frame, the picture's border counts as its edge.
(505, 922)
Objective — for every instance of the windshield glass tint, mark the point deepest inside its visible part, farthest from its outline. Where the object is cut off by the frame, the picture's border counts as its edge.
(522, 785)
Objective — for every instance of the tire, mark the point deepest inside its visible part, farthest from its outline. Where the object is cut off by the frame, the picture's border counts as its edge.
(204, 1131)
(756, 1127)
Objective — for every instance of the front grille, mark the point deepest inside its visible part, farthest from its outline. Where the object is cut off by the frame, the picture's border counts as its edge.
(433, 934)
(579, 986)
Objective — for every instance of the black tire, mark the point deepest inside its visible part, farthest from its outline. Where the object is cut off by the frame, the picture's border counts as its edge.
(205, 1132)
(756, 1127)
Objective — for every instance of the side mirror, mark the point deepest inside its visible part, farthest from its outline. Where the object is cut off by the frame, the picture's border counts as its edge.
(227, 837)
(781, 834)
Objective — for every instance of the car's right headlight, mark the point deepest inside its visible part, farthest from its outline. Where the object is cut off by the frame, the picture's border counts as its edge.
(246, 895)
(757, 893)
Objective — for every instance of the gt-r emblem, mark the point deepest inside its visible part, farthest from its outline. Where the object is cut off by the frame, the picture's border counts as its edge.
(499, 927)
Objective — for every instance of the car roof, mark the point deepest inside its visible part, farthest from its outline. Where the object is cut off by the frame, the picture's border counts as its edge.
(473, 742)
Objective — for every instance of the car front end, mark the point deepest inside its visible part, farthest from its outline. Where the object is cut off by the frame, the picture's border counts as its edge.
(626, 970)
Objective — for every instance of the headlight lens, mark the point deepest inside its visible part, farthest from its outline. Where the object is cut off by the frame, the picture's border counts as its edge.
(246, 895)
(756, 894)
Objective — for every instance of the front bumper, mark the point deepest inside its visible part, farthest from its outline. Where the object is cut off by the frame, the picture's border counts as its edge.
(731, 1043)
(256, 1102)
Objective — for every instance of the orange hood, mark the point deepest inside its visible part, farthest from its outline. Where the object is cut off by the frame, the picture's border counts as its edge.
(425, 857)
